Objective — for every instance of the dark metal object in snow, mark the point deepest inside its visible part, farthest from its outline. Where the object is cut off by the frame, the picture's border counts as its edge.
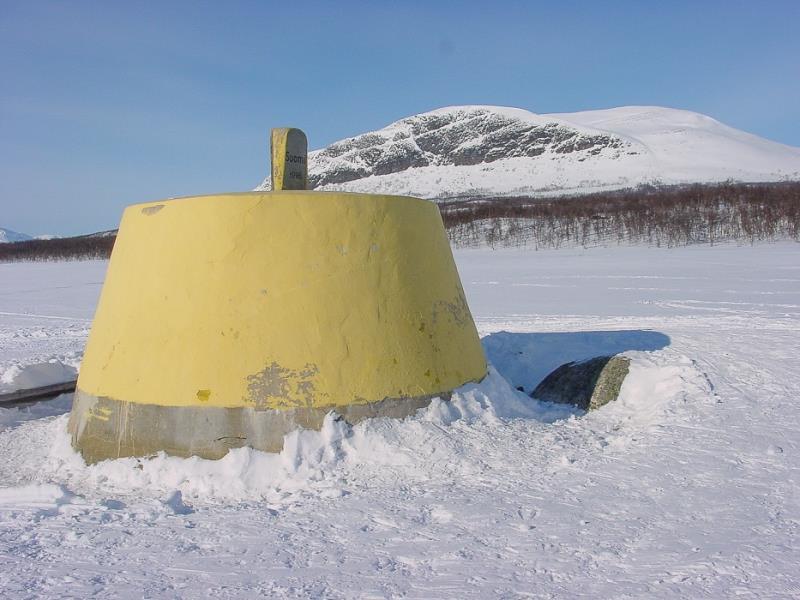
(38, 393)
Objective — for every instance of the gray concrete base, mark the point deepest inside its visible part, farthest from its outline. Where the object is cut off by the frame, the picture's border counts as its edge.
(104, 428)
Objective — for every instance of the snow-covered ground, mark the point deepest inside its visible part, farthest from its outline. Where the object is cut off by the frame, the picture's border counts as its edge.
(685, 487)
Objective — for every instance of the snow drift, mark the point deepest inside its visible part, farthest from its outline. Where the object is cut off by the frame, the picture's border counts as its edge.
(324, 463)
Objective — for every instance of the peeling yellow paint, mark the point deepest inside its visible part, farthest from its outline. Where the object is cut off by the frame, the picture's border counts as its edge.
(101, 414)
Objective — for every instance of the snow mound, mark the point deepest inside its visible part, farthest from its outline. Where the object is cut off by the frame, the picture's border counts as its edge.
(482, 424)
(34, 495)
(17, 376)
(20, 377)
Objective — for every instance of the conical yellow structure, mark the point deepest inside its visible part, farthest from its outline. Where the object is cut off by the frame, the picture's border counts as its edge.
(230, 320)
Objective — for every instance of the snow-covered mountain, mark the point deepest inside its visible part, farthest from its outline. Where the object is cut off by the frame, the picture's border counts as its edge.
(490, 150)
(6, 235)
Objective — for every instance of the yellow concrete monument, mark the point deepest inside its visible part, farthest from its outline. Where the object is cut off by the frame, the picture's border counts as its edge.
(230, 320)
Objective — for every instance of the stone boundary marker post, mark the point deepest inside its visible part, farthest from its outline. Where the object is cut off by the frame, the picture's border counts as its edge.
(289, 154)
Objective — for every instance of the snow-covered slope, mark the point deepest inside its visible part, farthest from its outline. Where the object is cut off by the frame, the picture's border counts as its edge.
(6, 235)
(489, 150)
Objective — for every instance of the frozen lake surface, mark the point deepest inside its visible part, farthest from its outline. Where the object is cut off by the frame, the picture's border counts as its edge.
(688, 486)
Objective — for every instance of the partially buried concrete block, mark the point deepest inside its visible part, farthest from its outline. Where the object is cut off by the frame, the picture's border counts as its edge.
(588, 384)
(230, 320)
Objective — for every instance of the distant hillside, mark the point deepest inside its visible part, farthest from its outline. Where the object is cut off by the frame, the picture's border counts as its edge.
(84, 247)
(665, 216)
(6, 236)
(472, 151)
(675, 216)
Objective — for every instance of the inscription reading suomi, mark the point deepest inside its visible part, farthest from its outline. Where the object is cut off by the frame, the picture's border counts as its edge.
(289, 159)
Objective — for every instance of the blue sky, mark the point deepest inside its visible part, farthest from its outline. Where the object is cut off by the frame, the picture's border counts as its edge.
(103, 104)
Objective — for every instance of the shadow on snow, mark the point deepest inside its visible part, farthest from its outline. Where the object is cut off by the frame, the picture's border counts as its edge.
(525, 359)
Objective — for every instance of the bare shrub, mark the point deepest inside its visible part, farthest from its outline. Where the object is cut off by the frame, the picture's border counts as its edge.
(658, 216)
(73, 248)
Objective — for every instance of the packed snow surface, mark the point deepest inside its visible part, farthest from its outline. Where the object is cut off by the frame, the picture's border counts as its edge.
(474, 151)
(687, 486)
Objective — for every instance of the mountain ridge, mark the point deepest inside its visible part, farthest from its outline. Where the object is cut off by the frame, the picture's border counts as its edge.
(8, 236)
(482, 150)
